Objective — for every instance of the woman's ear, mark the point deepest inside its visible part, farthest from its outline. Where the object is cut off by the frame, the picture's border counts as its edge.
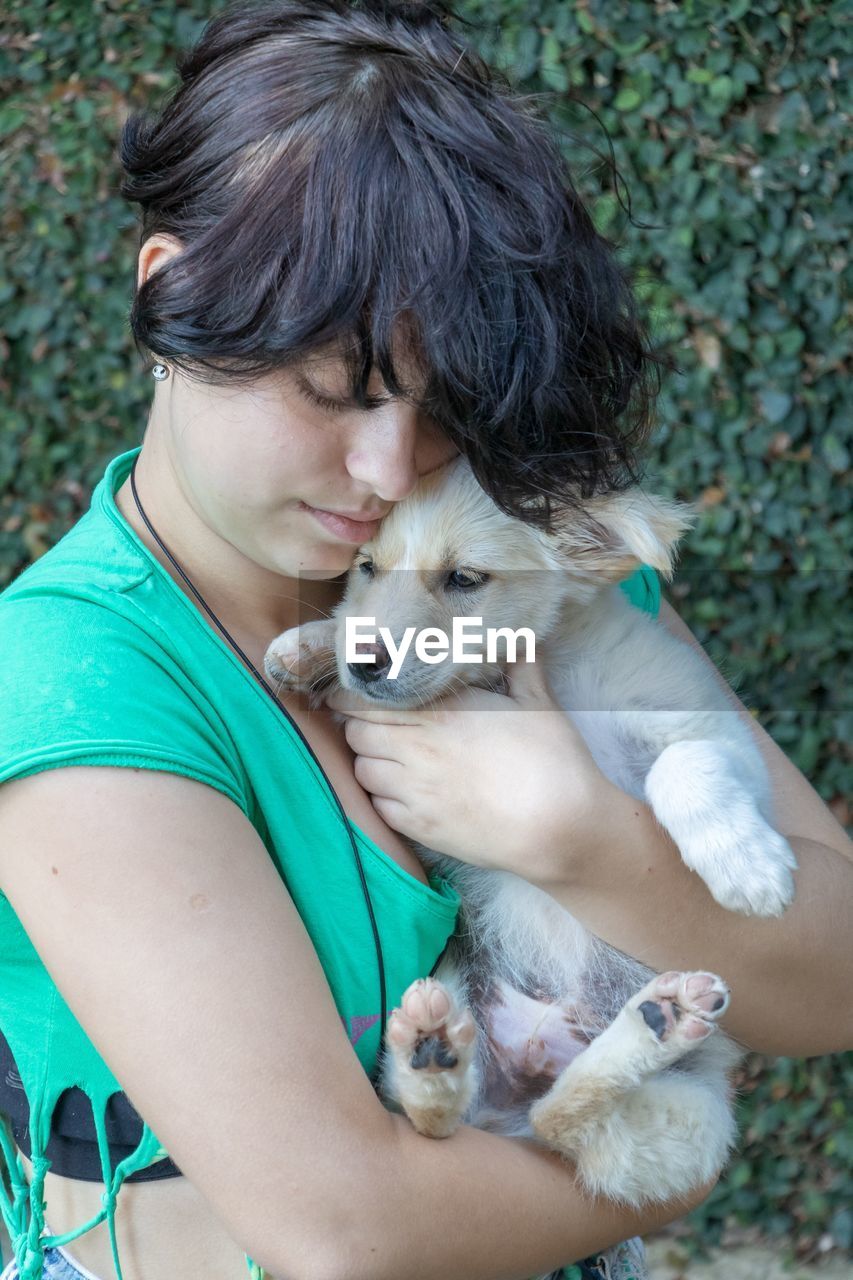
(611, 535)
(155, 253)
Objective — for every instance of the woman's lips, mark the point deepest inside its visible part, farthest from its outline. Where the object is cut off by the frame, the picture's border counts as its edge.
(342, 527)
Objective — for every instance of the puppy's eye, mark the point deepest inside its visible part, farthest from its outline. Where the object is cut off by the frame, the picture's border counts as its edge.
(366, 567)
(466, 579)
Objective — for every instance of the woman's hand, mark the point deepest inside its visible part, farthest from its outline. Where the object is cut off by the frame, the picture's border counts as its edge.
(494, 780)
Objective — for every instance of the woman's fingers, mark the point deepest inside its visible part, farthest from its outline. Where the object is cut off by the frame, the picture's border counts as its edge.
(382, 778)
(381, 741)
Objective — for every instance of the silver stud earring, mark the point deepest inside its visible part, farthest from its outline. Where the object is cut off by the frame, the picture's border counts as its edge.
(160, 372)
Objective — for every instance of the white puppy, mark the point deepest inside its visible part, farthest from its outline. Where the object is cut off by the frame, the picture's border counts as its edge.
(531, 1025)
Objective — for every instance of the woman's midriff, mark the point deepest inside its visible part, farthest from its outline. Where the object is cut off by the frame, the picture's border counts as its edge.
(166, 1228)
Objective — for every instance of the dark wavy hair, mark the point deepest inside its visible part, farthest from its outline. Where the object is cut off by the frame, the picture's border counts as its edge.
(346, 173)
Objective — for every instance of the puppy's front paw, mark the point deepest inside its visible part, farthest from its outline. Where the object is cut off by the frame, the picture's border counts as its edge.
(301, 657)
(746, 870)
(705, 797)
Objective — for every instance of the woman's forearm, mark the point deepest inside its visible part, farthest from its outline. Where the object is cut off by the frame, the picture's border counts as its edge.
(471, 1207)
(791, 978)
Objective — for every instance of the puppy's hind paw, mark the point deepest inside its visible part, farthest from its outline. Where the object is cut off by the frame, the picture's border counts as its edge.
(681, 1009)
(430, 1058)
(429, 1028)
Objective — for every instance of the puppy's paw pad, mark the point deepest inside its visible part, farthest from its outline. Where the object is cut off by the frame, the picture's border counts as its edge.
(705, 994)
(427, 1003)
(429, 1030)
(682, 1008)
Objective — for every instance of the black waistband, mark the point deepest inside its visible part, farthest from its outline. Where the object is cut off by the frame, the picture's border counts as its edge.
(73, 1144)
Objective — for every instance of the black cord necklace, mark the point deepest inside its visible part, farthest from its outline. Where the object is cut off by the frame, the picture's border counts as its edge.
(380, 964)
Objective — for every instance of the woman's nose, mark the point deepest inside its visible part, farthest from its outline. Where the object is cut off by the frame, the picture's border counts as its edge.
(394, 446)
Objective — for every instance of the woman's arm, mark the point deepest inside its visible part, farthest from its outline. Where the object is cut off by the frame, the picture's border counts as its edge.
(160, 916)
(792, 977)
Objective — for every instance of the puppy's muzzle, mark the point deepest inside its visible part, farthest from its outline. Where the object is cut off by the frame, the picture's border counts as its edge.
(367, 672)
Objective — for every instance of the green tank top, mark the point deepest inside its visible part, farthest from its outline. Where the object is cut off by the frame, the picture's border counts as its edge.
(121, 624)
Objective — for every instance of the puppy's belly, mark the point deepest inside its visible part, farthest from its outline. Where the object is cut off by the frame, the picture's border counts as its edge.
(530, 1043)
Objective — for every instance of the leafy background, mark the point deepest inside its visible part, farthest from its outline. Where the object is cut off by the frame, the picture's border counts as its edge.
(728, 123)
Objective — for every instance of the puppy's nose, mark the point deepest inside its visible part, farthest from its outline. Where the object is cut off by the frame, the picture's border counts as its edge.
(369, 671)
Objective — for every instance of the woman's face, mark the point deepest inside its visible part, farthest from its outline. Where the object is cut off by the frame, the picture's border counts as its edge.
(260, 465)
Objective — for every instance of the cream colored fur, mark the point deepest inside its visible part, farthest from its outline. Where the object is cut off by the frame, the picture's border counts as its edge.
(643, 1117)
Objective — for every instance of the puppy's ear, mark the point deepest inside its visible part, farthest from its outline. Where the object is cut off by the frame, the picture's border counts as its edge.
(611, 535)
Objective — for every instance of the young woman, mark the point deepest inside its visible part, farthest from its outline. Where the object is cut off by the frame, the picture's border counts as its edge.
(360, 254)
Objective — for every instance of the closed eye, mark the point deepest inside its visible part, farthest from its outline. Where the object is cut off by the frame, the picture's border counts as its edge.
(337, 406)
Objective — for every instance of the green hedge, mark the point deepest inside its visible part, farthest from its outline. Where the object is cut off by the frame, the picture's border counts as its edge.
(727, 123)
